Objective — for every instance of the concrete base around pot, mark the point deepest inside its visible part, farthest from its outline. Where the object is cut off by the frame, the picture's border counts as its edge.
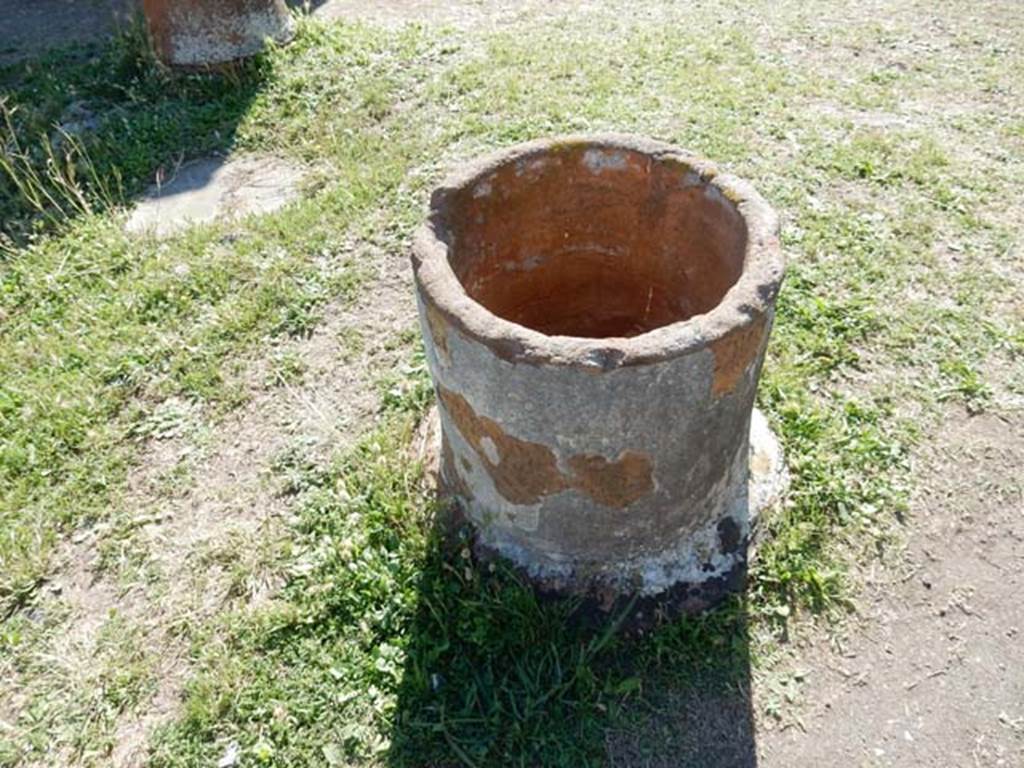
(690, 577)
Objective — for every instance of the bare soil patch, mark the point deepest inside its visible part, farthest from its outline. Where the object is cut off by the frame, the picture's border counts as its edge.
(927, 672)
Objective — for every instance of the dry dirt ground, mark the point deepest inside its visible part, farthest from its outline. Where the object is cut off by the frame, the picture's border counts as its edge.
(926, 673)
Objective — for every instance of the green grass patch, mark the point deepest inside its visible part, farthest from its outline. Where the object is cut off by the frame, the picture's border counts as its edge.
(392, 646)
(99, 327)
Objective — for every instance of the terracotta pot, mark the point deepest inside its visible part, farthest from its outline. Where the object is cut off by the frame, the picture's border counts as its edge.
(595, 312)
(201, 33)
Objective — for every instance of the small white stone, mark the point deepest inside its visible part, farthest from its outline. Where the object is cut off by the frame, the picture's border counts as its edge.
(230, 757)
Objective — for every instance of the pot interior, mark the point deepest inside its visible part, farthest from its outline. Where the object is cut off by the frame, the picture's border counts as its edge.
(594, 241)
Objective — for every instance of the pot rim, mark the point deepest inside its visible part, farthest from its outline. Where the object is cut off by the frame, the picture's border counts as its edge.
(749, 299)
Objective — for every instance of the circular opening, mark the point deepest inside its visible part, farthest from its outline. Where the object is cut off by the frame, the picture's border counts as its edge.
(595, 241)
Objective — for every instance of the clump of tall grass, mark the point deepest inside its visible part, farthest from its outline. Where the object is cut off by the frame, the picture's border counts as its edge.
(54, 179)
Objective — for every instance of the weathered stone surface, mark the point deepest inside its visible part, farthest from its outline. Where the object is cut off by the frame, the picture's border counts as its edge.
(596, 312)
(215, 188)
(767, 482)
(525, 472)
(198, 33)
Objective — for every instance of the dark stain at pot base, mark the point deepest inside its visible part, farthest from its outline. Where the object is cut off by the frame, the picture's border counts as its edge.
(728, 535)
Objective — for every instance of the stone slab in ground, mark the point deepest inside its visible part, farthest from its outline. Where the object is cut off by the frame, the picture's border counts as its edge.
(212, 189)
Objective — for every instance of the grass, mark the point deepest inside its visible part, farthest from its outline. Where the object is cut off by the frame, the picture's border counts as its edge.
(101, 327)
(386, 644)
(390, 644)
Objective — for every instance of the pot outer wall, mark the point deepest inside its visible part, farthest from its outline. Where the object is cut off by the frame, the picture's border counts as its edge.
(199, 33)
(607, 479)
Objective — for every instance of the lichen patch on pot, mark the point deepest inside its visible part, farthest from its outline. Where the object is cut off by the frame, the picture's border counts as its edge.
(438, 332)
